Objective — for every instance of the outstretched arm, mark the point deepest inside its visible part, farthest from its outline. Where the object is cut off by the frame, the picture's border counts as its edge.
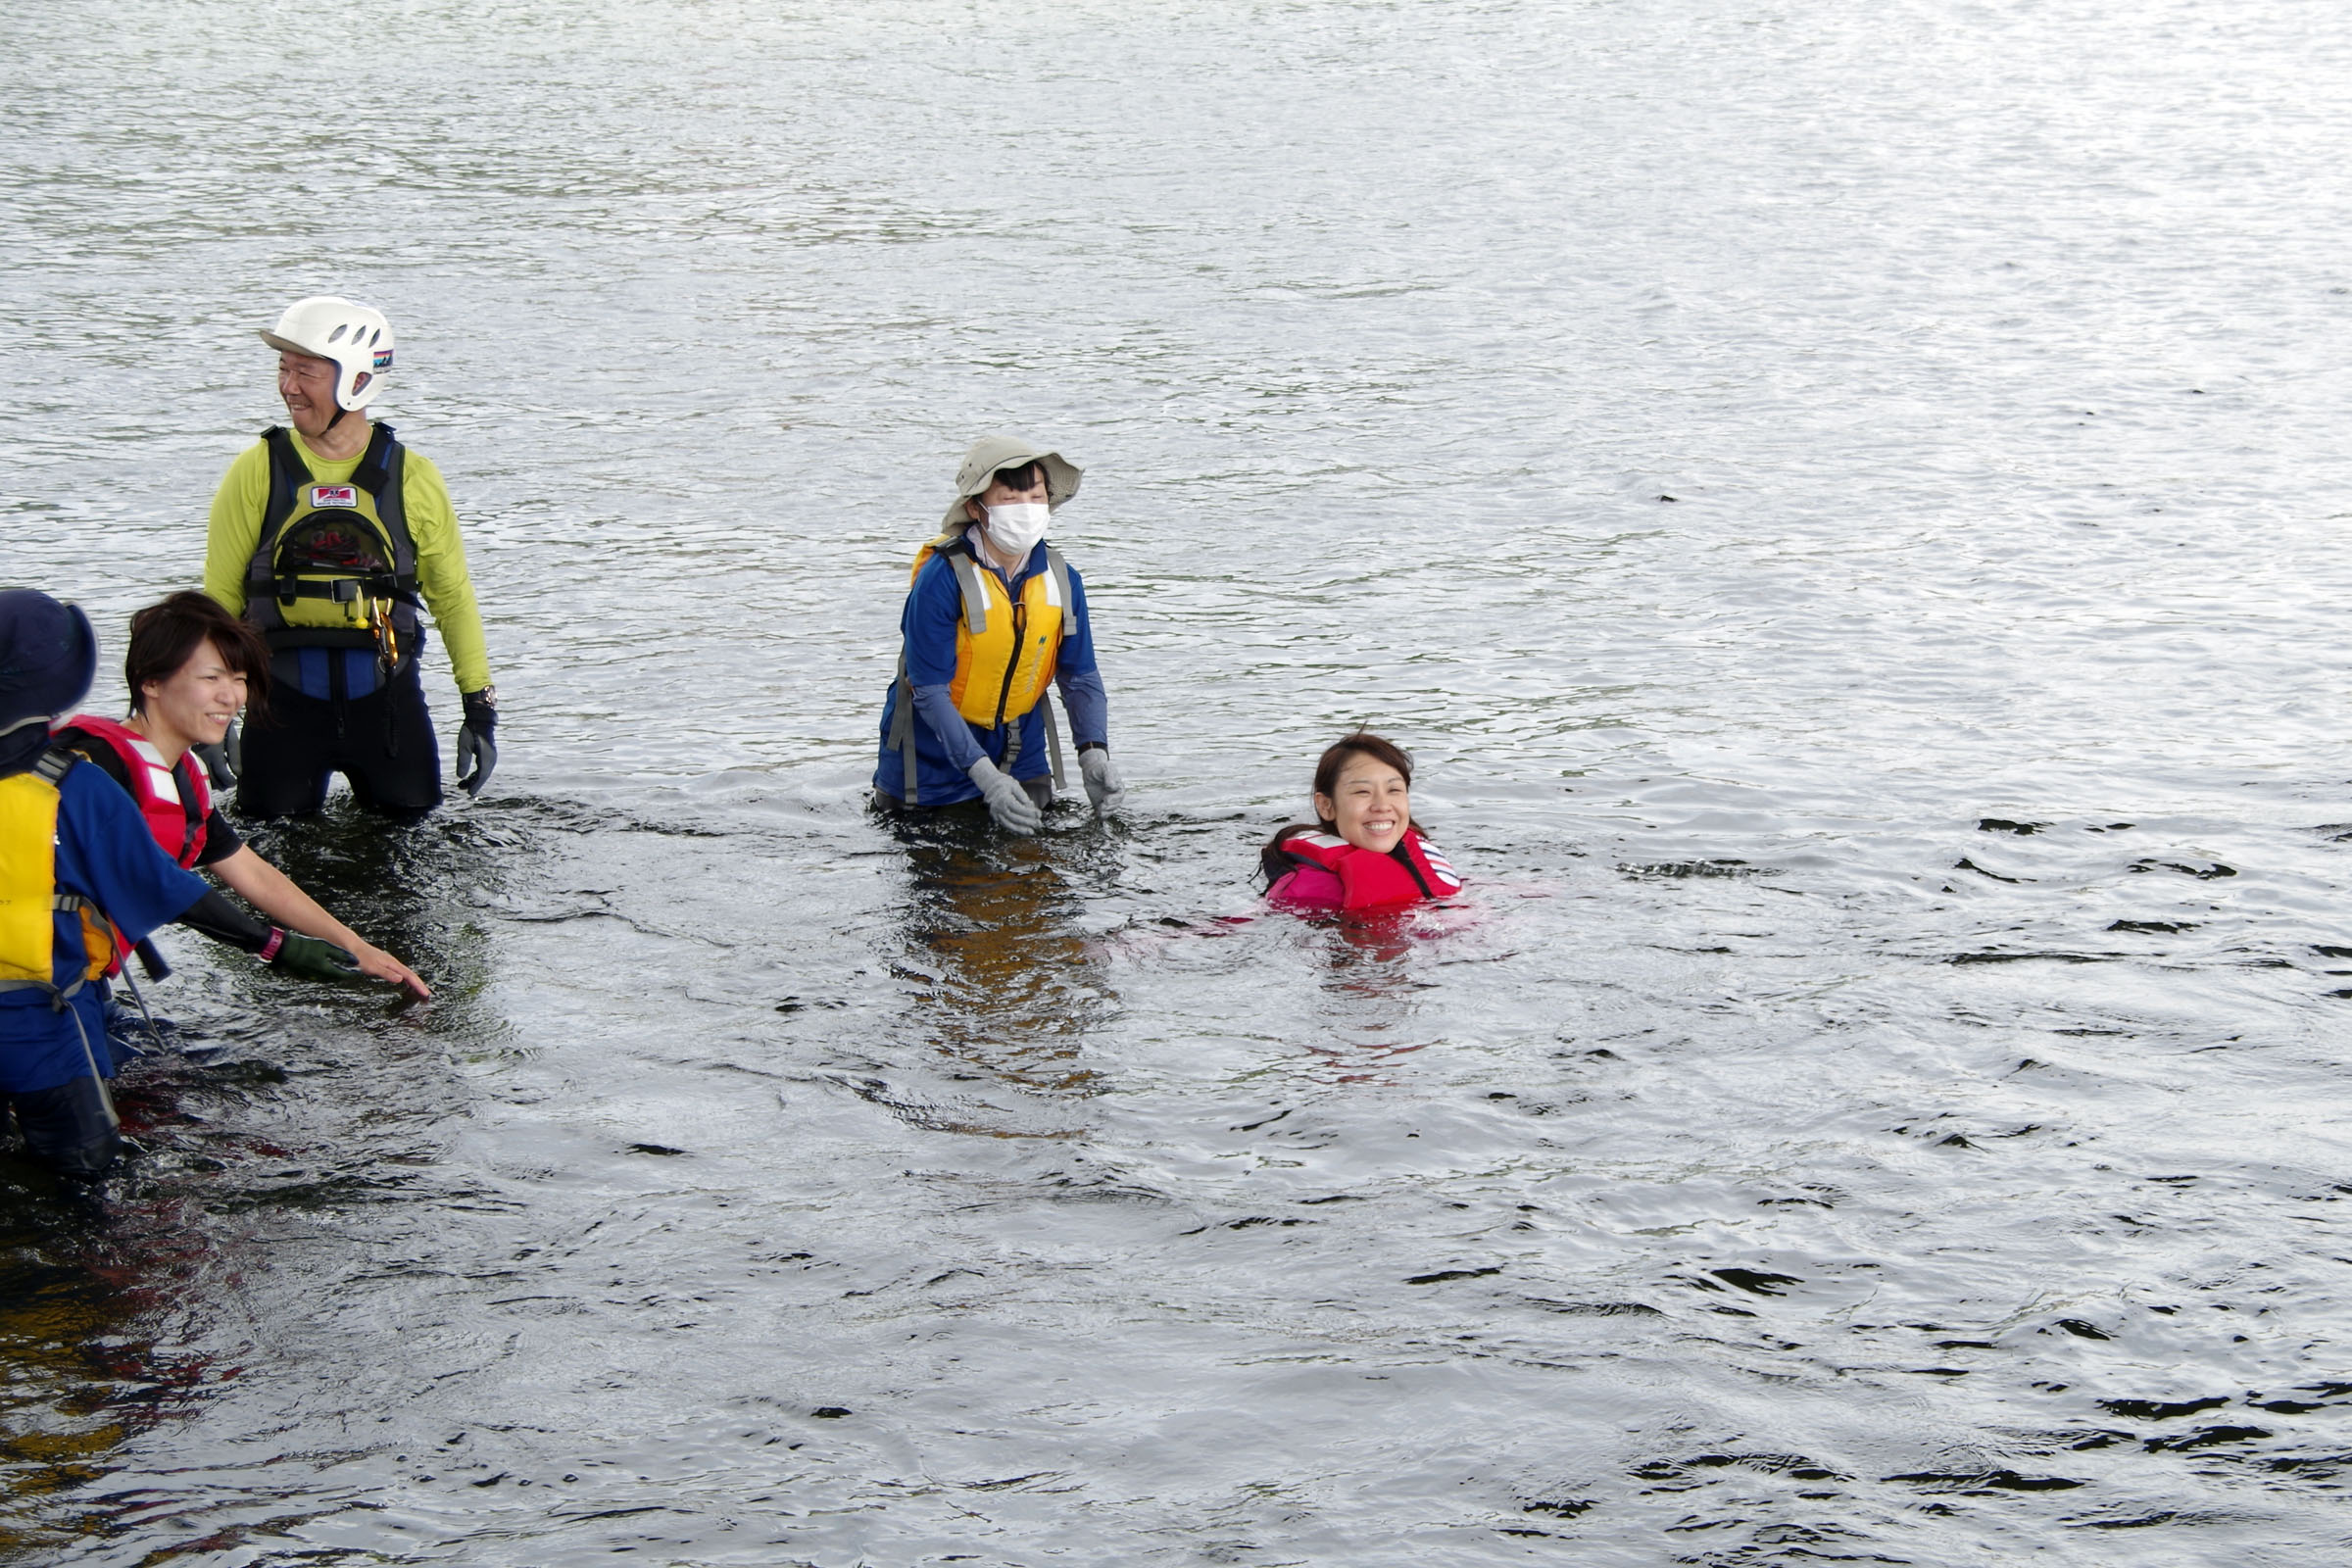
(276, 895)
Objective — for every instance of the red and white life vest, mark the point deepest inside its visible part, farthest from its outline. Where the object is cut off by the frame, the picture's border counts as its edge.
(176, 819)
(1413, 871)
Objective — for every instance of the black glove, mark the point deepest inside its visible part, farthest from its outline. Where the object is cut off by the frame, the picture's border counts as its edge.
(477, 751)
(223, 762)
(310, 958)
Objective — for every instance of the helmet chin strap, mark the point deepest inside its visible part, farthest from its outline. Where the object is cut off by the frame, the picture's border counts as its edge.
(340, 409)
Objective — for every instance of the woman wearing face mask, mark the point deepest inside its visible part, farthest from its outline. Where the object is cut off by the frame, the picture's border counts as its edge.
(1364, 851)
(993, 614)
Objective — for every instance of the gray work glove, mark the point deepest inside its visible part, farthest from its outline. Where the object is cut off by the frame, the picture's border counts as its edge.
(1104, 786)
(477, 745)
(313, 958)
(225, 761)
(1007, 802)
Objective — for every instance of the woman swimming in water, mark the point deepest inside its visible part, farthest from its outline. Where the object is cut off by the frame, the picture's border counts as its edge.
(1366, 853)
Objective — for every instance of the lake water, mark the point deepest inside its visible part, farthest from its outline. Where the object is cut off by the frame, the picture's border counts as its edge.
(1844, 501)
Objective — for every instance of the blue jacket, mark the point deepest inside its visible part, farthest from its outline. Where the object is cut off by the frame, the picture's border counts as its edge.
(106, 852)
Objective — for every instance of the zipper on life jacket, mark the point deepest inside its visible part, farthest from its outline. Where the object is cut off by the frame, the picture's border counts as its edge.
(1013, 665)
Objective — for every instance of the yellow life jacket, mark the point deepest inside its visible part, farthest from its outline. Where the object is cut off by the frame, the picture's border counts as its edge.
(1005, 649)
(29, 897)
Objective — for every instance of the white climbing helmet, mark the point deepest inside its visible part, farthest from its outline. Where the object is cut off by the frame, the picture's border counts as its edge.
(357, 338)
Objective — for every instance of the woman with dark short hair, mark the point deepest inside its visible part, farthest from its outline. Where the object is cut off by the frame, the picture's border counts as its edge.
(190, 669)
(81, 877)
(1364, 851)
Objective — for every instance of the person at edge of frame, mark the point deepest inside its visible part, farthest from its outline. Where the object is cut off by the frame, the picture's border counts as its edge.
(80, 871)
(188, 669)
(993, 616)
(329, 538)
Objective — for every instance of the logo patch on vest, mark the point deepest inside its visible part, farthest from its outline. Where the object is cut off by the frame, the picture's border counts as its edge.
(335, 495)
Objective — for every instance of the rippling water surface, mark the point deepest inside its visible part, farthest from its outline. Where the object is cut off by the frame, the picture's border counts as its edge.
(1842, 499)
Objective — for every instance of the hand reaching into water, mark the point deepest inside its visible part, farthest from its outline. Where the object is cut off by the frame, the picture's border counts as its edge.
(1104, 785)
(1007, 802)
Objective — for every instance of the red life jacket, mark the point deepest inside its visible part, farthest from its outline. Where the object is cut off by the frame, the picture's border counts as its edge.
(1411, 871)
(177, 799)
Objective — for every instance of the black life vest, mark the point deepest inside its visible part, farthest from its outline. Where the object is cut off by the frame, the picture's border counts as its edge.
(335, 565)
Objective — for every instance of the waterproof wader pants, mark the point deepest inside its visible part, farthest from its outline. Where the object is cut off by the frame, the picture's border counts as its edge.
(382, 742)
(1041, 790)
(66, 1128)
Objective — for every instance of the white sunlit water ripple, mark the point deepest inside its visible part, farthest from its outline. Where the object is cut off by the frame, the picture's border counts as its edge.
(1843, 501)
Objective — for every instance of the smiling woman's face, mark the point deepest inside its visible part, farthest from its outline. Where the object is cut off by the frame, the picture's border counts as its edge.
(1370, 803)
(192, 707)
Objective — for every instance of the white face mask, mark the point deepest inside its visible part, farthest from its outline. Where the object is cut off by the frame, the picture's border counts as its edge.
(1014, 531)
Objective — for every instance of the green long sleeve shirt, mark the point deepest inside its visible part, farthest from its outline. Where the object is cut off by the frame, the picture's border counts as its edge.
(236, 529)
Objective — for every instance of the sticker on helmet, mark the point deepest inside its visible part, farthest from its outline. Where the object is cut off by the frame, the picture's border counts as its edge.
(384, 359)
(335, 495)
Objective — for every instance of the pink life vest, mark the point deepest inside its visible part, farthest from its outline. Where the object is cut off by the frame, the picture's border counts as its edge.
(176, 821)
(1331, 873)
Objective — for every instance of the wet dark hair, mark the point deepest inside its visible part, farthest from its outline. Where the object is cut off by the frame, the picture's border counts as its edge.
(1363, 743)
(166, 634)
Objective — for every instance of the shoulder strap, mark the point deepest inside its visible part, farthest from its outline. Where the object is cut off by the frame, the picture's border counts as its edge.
(901, 733)
(955, 549)
(54, 765)
(1403, 857)
(967, 581)
(287, 475)
(195, 790)
(382, 473)
(1060, 571)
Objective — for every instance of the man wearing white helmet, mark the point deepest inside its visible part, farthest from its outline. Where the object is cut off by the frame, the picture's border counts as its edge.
(329, 538)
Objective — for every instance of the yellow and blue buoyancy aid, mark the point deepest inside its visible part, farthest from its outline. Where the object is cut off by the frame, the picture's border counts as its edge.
(31, 901)
(335, 565)
(1004, 648)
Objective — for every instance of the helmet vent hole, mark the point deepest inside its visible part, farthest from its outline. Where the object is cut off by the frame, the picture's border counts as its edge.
(336, 336)
(372, 336)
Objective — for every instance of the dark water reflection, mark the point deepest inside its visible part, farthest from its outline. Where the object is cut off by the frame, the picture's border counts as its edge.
(1006, 983)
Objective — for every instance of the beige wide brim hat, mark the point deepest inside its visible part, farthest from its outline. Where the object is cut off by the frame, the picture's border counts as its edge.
(993, 452)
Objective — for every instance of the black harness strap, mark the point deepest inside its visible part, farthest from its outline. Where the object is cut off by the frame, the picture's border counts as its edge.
(1397, 853)
(382, 473)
